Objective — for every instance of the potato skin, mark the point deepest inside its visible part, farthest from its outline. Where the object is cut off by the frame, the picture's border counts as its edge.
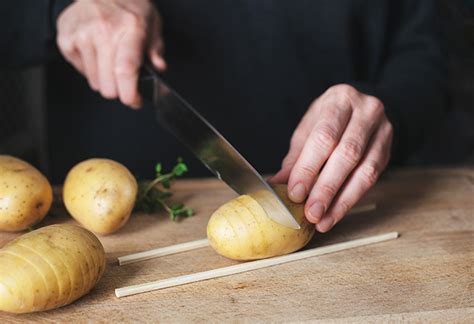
(241, 230)
(100, 194)
(25, 194)
(49, 268)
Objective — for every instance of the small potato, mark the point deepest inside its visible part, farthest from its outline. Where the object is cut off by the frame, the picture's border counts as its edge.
(49, 268)
(100, 194)
(25, 194)
(241, 229)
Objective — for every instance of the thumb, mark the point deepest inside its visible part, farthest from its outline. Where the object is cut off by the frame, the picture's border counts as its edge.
(282, 176)
(155, 55)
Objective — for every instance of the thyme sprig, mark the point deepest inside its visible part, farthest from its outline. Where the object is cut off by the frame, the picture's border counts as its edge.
(154, 194)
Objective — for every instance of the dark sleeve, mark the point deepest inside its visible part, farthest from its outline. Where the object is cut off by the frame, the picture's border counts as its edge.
(411, 82)
(27, 31)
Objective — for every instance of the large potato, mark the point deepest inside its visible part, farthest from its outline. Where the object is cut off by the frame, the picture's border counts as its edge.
(25, 194)
(241, 229)
(100, 194)
(49, 268)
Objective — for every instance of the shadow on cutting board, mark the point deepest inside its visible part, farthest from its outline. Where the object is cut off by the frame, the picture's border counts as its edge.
(397, 196)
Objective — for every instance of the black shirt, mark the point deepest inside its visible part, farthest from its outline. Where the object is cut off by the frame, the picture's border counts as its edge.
(252, 68)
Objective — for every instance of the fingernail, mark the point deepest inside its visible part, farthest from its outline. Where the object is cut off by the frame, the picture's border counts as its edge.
(298, 193)
(316, 211)
(325, 224)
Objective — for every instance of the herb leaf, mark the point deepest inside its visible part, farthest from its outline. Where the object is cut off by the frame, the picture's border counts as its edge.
(158, 168)
(152, 195)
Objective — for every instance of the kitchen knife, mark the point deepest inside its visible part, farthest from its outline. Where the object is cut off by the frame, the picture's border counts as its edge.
(211, 148)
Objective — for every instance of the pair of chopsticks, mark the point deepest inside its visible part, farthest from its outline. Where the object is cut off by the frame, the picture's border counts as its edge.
(238, 268)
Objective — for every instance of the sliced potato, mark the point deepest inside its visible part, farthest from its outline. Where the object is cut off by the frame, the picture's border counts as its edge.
(49, 268)
(241, 229)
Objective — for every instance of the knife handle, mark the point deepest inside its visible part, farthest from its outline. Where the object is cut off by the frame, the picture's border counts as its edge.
(146, 82)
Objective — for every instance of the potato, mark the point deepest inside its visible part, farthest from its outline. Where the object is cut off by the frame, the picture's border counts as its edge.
(49, 268)
(100, 194)
(241, 230)
(25, 194)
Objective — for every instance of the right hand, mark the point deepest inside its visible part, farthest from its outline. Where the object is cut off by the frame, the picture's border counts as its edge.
(106, 40)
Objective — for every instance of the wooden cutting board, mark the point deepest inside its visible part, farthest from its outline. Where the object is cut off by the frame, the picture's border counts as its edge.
(425, 275)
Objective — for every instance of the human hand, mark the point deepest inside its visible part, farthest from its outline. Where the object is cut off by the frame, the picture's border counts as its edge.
(336, 154)
(105, 40)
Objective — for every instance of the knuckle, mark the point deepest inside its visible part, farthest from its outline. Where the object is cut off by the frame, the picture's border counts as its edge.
(65, 44)
(341, 96)
(327, 189)
(389, 128)
(83, 37)
(134, 22)
(348, 90)
(131, 19)
(374, 107)
(345, 206)
(126, 67)
(370, 172)
(308, 171)
(287, 161)
(297, 138)
(343, 103)
(351, 150)
(326, 136)
(102, 25)
(344, 90)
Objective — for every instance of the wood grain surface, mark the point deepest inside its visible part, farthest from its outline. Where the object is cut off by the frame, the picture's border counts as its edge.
(425, 275)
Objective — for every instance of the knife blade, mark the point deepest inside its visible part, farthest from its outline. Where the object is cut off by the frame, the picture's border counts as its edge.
(210, 147)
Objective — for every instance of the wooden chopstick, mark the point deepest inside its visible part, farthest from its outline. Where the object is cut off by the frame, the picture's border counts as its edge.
(249, 266)
(183, 247)
(167, 250)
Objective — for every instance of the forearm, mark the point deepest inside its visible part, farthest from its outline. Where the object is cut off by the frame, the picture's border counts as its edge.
(27, 35)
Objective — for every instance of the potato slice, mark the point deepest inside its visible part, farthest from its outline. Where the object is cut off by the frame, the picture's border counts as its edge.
(241, 229)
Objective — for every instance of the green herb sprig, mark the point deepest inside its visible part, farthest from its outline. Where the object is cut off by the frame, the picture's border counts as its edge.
(154, 194)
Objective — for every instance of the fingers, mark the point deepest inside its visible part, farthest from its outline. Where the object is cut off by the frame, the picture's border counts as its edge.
(70, 52)
(281, 177)
(66, 44)
(105, 64)
(336, 154)
(127, 65)
(106, 41)
(300, 135)
(89, 62)
(362, 178)
(345, 157)
(296, 146)
(328, 129)
(156, 48)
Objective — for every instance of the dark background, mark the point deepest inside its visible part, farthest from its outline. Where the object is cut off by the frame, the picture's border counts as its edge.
(23, 130)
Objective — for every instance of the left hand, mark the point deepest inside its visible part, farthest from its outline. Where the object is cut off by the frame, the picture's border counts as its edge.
(106, 41)
(336, 154)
